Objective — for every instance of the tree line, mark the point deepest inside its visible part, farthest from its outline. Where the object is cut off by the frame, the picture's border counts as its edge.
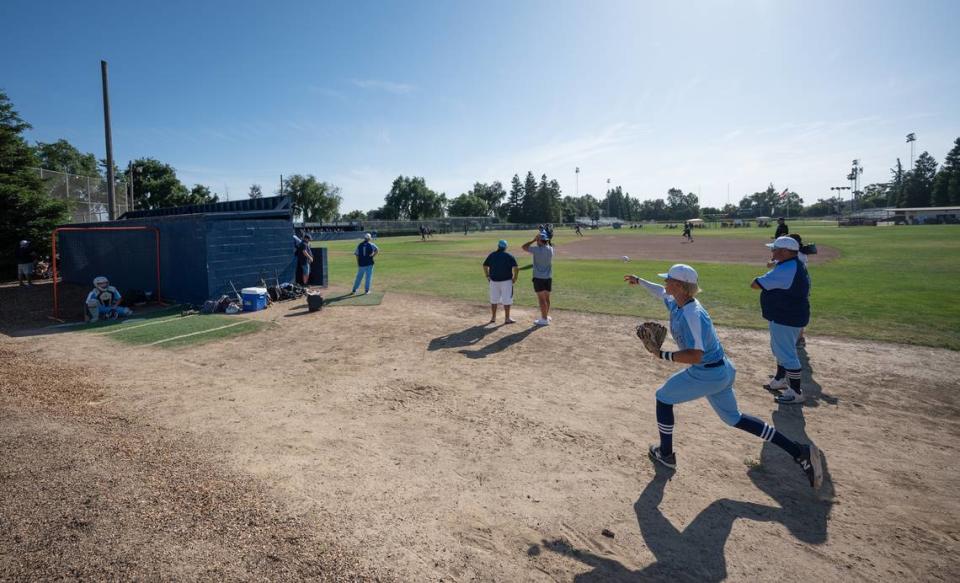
(27, 211)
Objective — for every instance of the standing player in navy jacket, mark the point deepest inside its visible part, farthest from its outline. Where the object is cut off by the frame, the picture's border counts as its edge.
(365, 253)
(785, 304)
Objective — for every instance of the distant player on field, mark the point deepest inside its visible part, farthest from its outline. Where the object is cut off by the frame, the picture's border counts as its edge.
(710, 374)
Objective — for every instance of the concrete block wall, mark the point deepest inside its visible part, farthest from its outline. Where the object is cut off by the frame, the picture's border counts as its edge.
(243, 251)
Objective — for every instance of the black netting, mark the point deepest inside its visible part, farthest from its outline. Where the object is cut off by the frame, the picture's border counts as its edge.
(127, 258)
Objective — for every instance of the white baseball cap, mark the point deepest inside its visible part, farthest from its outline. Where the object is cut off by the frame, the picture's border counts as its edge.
(681, 272)
(788, 243)
(367, 236)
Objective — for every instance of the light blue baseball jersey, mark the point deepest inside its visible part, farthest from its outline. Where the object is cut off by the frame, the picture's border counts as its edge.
(691, 327)
(780, 277)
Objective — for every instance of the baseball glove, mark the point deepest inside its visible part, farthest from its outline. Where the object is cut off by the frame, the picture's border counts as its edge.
(652, 335)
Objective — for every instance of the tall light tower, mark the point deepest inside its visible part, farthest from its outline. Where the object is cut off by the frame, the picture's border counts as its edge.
(608, 197)
(839, 190)
(577, 172)
(911, 138)
(855, 172)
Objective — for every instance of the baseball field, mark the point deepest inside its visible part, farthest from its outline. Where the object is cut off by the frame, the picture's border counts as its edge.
(401, 438)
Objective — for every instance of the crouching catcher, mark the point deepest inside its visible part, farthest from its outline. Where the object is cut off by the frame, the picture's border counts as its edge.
(709, 375)
(104, 302)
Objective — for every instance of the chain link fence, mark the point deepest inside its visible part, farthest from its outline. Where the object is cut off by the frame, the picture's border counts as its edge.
(87, 195)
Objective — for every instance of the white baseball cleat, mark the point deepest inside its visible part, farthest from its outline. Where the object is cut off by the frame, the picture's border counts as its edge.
(790, 397)
(777, 384)
(540, 322)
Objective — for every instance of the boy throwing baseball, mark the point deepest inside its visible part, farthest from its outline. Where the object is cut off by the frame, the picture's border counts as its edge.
(710, 374)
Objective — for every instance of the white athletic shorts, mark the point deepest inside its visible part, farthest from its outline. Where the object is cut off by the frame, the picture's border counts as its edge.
(501, 292)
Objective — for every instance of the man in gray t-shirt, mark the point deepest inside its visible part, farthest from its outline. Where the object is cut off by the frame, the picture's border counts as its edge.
(542, 252)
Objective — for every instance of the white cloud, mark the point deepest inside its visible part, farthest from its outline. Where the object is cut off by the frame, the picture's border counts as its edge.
(387, 86)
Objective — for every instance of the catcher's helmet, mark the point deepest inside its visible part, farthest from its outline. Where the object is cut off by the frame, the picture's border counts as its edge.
(100, 280)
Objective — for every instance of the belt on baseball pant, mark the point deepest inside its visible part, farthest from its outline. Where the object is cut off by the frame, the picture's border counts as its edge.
(714, 364)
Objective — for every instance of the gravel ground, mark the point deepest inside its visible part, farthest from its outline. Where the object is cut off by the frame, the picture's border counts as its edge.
(92, 495)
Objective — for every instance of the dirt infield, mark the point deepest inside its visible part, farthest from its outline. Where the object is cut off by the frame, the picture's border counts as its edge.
(672, 248)
(427, 444)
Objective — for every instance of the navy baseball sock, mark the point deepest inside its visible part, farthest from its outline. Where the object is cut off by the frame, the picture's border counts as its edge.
(793, 375)
(665, 426)
(751, 424)
(781, 372)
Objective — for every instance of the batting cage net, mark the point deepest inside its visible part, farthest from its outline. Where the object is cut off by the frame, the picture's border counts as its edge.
(128, 256)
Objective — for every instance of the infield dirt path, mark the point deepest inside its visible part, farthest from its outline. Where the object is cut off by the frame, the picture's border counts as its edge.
(442, 449)
(673, 248)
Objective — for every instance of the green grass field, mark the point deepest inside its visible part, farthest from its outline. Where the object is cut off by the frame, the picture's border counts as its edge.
(895, 284)
(167, 329)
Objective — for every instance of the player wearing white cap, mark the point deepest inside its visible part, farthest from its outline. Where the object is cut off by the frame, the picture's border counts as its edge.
(785, 304)
(104, 301)
(710, 374)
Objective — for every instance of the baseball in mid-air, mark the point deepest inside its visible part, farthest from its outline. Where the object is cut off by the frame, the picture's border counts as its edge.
(625, 259)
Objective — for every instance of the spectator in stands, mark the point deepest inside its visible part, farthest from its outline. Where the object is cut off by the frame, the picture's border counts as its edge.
(304, 259)
(365, 253)
(782, 229)
(25, 257)
(104, 302)
(501, 270)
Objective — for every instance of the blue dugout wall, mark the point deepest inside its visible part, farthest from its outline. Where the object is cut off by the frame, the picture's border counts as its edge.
(200, 254)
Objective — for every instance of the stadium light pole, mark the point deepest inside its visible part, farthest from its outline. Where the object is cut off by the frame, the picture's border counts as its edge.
(911, 138)
(577, 172)
(856, 171)
(839, 189)
(111, 187)
(608, 198)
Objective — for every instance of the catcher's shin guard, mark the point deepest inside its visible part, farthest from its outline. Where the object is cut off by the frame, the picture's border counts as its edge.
(93, 310)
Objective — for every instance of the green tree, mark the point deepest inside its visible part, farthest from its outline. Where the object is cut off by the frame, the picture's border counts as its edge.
(874, 195)
(823, 207)
(255, 191)
(26, 212)
(354, 216)
(918, 184)
(729, 210)
(709, 211)
(682, 206)
(410, 199)
(313, 201)
(653, 210)
(467, 205)
(492, 195)
(767, 203)
(530, 203)
(201, 194)
(514, 204)
(946, 187)
(896, 194)
(156, 185)
(384, 213)
(547, 202)
(62, 156)
(615, 204)
(585, 206)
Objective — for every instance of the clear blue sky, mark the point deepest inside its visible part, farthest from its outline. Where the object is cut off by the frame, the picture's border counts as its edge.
(697, 95)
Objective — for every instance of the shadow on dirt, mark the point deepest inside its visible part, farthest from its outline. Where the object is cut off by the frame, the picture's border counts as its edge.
(697, 552)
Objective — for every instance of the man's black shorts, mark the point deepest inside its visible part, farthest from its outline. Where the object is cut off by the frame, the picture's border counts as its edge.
(540, 284)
